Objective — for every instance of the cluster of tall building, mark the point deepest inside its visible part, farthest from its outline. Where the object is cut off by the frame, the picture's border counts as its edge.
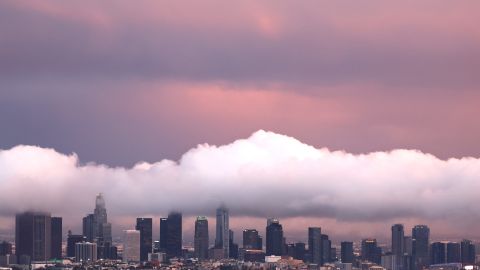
(38, 237)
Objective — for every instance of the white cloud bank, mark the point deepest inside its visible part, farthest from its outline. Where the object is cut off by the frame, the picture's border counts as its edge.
(264, 175)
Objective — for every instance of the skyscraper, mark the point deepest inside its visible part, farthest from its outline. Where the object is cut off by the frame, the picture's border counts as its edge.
(201, 238)
(346, 252)
(300, 251)
(437, 253)
(33, 235)
(233, 248)
(174, 235)
(85, 252)
(398, 240)
(89, 227)
(72, 239)
(315, 244)
(131, 246)
(96, 226)
(163, 234)
(370, 251)
(326, 249)
(144, 226)
(453, 252)
(421, 235)
(251, 239)
(274, 241)
(222, 230)
(467, 249)
(56, 233)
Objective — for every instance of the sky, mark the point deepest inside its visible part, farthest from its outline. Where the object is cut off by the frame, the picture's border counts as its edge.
(120, 96)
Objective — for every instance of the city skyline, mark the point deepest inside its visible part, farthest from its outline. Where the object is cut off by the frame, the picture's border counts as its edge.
(347, 116)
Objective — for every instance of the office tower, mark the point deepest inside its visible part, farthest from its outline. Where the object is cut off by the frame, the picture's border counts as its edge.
(437, 253)
(5, 248)
(300, 251)
(96, 226)
(326, 248)
(315, 245)
(163, 234)
(222, 230)
(233, 248)
(346, 252)
(89, 227)
(131, 246)
(370, 251)
(201, 238)
(56, 233)
(85, 252)
(251, 239)
(421, 235)
(453, 253)
(398, 240)
(174, 235)
(156, 246)
(467, 251)
(72, 239)
(33, 235)
(274, 241)
(408, 245)
(144, 226)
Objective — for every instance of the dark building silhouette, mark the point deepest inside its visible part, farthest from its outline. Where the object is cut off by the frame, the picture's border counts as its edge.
(144, 225)
(437, 253)
(56, 233)
(346, 252)
(233, 247)
(453, 253)
(72, 239)
(315, 245)
(5, 248)
(275, 241)
(163, 234)
(398, 235)
(222, 230)
(300, 251)
(89, 227)
(33, 235)
(201, 238)
(467, 249)
(370, 251)
(326, 249)
(172, 235)
(421, 256)
(251, 239)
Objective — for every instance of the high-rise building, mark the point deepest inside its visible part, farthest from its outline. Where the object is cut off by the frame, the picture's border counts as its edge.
(5, 248)
(89, 227)
(144, 226)
(56, 233)
(251, 239)
(398, 240)
(346, 252)
(131, 246)
(201, 238)
(408, 245)
(275, 240)
(174, 235)
(370, 251)
(467, 251)
(96, 226)
(315, 245)
(33, 235)
(163, 234)
(233, 248)
(437, 253)
(453, 253)
(72, 239)
(300, 251)
(421, 235)
(85, 252)
(222, 230)
(326, 249)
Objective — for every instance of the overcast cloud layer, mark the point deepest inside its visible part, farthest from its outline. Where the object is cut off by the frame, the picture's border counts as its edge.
(265, 175)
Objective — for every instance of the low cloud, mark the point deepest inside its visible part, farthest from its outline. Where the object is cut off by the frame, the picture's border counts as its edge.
(264, 175)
